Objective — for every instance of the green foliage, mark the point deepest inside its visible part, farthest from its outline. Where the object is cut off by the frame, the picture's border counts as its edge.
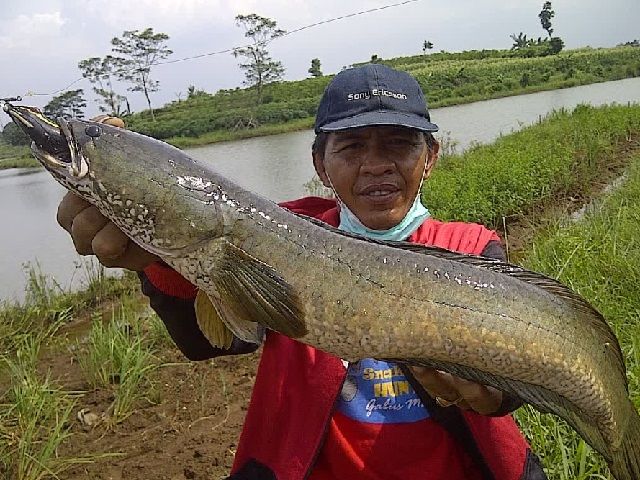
(315, 70)
(446, 78)
(68, 104)
(117, 357)
(507, 178)
(140, 51)
(100, 71)
(426, 45)
(545, 17)
(259, 68)
(34, 418)
(12, 134)
(598, 257)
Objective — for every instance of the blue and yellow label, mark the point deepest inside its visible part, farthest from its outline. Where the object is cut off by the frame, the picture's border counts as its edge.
(378, 392)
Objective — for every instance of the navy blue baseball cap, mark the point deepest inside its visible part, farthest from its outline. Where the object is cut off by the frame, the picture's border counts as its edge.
(373, 94)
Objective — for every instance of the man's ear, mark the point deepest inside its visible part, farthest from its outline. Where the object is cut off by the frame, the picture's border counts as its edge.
(432, 158)
(318, 164)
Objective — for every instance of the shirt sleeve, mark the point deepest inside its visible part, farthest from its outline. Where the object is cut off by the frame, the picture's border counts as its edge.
(179, 317)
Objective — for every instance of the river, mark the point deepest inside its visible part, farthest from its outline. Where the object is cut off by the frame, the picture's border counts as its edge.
(277, 167)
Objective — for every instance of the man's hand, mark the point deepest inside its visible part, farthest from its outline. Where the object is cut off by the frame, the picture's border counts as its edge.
(449, 390)
(94, 234)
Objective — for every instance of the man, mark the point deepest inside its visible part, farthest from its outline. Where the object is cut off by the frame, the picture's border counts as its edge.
(313, 415)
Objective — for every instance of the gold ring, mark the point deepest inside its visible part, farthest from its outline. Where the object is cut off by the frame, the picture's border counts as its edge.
(446, 403)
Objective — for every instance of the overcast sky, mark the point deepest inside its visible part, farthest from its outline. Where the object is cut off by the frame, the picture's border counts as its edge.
(42, 41)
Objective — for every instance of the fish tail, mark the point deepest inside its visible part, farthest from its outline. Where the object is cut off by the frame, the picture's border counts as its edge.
(626, 459)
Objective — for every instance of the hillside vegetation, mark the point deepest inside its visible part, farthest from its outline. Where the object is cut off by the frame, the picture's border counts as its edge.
(447, 79)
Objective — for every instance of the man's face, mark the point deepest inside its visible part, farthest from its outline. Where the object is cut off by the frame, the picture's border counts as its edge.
(376, 171)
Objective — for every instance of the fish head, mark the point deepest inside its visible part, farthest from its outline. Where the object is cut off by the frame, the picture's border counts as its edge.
(135, 181)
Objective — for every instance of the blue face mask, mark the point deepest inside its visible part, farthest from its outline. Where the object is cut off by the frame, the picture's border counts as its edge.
(417, 214)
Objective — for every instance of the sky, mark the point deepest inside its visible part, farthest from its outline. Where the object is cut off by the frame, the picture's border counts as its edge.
(42, 41)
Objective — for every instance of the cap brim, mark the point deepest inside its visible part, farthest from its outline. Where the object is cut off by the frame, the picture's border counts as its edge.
(381, 118)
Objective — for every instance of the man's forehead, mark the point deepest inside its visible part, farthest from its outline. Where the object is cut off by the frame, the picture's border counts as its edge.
(374, 130)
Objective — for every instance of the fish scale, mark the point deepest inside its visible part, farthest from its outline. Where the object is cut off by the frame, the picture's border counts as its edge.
(261, 266)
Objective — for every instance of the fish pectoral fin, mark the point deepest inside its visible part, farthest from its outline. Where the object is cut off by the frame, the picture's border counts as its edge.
(210, 323)
(251, 289)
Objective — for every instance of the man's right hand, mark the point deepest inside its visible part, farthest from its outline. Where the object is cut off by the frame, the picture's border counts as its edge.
(94, 234)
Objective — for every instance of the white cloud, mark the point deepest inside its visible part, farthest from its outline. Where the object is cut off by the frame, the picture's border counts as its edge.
(35, 29)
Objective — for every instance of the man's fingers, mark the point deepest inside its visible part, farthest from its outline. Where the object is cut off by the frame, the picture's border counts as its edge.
(114, 249)
(449, 390)
(109, 242)
(483, 399)
(70, 206)
(437, 384)
(85, 227)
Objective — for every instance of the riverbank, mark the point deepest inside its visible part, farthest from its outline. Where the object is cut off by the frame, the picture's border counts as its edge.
(450, 79)
(16, 157)
(184, 420)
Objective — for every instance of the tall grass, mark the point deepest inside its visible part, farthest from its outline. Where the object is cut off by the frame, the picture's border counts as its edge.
(598, 257)
(34, 419)
(118, 357)
(46, 302)
(566, 153)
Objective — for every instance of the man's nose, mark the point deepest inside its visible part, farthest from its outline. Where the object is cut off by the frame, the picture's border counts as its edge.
(376, 161)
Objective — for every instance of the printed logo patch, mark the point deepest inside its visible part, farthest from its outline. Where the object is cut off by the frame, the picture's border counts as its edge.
(375, 92)
(378, 392)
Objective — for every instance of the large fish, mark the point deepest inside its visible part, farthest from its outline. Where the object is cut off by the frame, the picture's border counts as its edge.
(258, 265)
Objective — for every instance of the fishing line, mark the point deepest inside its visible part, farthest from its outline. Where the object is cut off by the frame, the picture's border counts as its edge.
(230, 50)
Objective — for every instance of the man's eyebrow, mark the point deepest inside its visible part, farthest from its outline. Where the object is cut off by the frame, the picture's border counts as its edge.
(347, 136)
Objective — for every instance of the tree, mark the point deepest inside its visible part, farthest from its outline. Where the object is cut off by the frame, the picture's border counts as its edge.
(259, 68)
(141, 50)
(99, 71)
(520, 41)
(426, 46)
(315, 68)
(68, 104)
(14, 135)
(375, 59)
(545, 17)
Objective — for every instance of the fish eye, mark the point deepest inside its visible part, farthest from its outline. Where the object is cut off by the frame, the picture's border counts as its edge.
(93, 131)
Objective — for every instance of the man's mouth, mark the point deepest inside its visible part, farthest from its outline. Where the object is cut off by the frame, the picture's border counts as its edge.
(380, 193)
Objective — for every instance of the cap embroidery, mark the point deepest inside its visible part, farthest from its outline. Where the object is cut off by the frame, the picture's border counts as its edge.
(375, 92)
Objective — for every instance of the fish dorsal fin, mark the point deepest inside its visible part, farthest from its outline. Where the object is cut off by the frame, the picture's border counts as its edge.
(594, 320)
(251, 290)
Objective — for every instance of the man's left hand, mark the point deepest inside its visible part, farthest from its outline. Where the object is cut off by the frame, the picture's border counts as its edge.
(449, 390)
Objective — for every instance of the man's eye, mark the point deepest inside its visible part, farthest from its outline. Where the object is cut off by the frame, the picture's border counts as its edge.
(350, 146)
(401, 141)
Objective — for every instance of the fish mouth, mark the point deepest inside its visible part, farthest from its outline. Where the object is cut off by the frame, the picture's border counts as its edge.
(53, 142)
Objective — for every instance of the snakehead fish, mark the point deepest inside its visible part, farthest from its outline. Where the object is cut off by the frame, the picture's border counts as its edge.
(259, 266)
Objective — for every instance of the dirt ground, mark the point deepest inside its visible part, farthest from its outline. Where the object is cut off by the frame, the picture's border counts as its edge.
(189, 429)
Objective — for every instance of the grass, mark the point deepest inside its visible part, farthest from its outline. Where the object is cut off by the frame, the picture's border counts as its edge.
(16, 157)
(598, 257)
(46, 302)
(447, 80)
(34, 418)
(564, 154)
(118, 358)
